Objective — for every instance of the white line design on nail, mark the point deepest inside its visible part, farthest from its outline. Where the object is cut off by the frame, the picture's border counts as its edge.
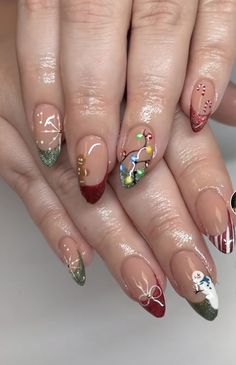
(204, 285)
(225, 241)
(149, 295)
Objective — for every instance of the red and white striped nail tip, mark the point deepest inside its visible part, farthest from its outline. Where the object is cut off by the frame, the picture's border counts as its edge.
(225, 242)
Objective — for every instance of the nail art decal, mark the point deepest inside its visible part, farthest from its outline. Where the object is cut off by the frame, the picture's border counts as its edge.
(74, 262)
(233, 203)
(201, 104)
(153, 300)
(92, 167)
(203, 284)
(225, 242)
(136, 156)
(48, 134)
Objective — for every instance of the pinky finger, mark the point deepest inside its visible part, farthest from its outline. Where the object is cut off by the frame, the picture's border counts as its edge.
(45, 208)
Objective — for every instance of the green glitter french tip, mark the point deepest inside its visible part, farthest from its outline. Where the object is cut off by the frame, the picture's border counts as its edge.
(48, 133)
(205, 310)
(73, 260)
(50, 157)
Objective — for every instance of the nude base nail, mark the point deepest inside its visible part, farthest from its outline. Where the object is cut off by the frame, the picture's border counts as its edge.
(71, 257)
(143, 285)
(195, 283)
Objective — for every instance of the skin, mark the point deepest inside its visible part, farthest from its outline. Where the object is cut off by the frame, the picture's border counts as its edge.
(167, 38)
(56, 207)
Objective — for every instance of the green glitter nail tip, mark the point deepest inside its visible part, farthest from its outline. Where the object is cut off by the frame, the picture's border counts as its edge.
(205, 310)
(50, 157)
(78, 273)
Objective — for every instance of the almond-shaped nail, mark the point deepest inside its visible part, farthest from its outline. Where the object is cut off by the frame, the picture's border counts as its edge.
(47, 129)
(136, 155)
(195, 284)
(71, 257)
(143, 285)
(216, 220)
(92, 167)
(202, 102)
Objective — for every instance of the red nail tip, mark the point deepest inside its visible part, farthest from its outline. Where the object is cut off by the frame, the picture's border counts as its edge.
(225, 242)
(153, 301)
(93, 193)
(198, 121)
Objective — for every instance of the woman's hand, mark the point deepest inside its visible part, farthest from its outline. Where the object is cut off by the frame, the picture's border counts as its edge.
(159, 213)
(173, 45)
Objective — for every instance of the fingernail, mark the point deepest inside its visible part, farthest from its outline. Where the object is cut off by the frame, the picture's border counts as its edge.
(71, 257)
(195, 284)
(233, 203)
(48, 133)
(216, 220)
(203, 97)
(143, 285)
(136, 155)
(92, 167)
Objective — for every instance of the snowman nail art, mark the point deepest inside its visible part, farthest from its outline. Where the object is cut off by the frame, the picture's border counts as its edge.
(48, 133)
(203, 284)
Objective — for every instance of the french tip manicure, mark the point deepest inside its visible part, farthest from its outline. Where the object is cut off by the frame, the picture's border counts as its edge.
(50, 157)
(78, 273)
(198, 121)
(205, 310)
(93, 193)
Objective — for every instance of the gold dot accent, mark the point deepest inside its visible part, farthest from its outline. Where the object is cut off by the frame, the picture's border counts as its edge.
(81, 169)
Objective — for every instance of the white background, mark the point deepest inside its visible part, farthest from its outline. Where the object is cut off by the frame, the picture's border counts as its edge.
(46, 319)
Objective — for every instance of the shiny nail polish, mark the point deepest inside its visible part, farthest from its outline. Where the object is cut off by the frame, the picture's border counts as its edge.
(71, 257)
(216, 220)
(136, 156)
(92, 167)
(195, 283)
(143, 285)
(203, 98)
(47, 129)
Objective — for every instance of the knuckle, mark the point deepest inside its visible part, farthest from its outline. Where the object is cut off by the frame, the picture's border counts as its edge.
(84, 101)
(217, 51)
(192, 165)
(23, 180)
(47, 215)
(35, 6)
(94, 12)
(219, 6)
(65, 180)
(152, 13)
(161, 224)
(108, 234)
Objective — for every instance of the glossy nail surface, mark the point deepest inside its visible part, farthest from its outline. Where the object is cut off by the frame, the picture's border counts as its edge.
(195, 283)
(203, 98)
(47, 130)
(143, 285)
(216, 220)
(136, 156)
(92, 167)
(71, 257)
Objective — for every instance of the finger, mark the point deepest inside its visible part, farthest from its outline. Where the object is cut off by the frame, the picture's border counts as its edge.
(38, 56)
(23, 176)
(106, 227)
(160, 38)
(94, 69)
(159, 213)
(200, 172)
(211, 59)
(226, 113)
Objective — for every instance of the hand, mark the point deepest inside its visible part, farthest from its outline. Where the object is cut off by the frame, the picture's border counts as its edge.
(91, 38)
(160, 214)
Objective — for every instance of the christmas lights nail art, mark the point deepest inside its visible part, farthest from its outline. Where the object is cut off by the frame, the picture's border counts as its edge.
(202, 101)
(48, 133)
(143, 285)
(225, 242)
(92, 167)
(208, 308)
(136, 156)
(73, 260)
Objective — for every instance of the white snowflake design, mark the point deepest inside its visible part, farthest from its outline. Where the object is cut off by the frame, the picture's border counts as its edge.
(149, 296)
(55, 131)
